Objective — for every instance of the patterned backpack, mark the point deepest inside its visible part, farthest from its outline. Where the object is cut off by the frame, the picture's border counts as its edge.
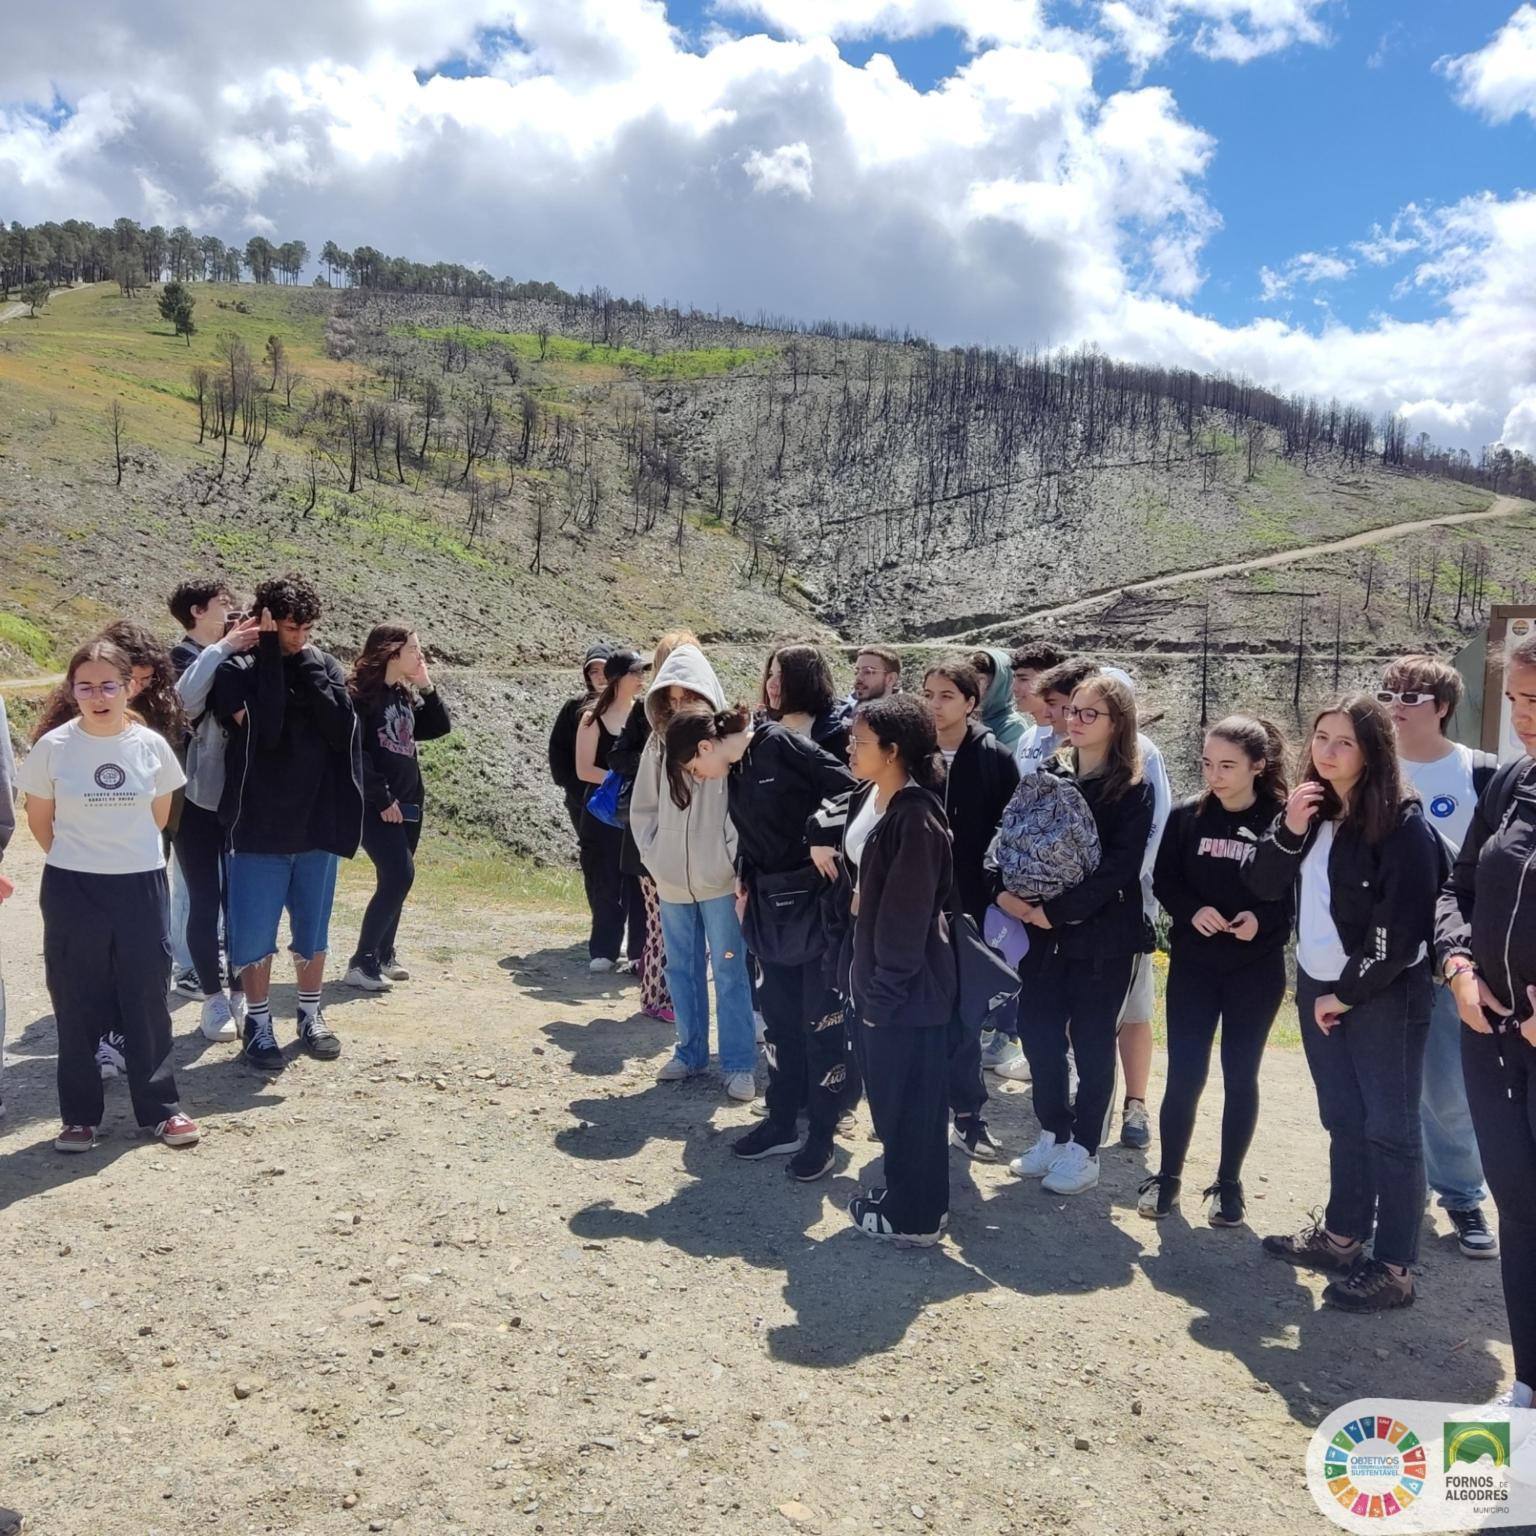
(1047, 841)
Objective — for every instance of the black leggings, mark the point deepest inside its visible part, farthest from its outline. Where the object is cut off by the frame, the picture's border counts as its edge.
(1502, 1096)
(1244, 1002)
(612, 896)
(392, 847)
(199, 849)
(1077, 1001)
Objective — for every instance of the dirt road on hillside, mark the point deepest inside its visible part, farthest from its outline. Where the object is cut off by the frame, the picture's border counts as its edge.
(483, 1275)
(1503, 506)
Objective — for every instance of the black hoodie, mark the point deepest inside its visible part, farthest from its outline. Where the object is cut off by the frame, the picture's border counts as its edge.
(1200, 863)
(1381, 896)
(1488, 907)
(293, 778)
(897, 962)
(391, 726)
(774, 790)
(980, 782)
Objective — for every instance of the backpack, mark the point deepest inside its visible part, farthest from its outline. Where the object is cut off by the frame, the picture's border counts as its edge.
(1047, 841)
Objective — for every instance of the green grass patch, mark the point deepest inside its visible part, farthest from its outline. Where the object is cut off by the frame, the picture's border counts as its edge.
(680, 363)
(23, 635)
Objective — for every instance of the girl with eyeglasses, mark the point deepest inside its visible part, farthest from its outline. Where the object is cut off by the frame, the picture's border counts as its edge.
(1355, 847)
(99, 791)
(1083, 944)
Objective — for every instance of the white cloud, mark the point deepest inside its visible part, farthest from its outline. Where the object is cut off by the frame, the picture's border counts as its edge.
(1237, 31)
(785, 169)
(1309, 267)
(1500, 79)
(1013, 203)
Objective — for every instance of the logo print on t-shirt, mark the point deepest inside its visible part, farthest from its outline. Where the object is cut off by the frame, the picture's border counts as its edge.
(110, 776)
(1442, 806)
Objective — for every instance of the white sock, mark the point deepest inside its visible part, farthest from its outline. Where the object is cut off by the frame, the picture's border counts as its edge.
(309, 1004)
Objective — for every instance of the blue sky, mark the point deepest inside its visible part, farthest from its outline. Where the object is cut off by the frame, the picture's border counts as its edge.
(1179, 181)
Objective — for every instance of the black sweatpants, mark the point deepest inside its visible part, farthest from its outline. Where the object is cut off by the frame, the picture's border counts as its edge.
(605, 882)
(1500, 1073)
(906, 1076)
(809, 1066)
(1244, 1002)
(1077, 1001)
(967, 1082)
(107, 958)
(199, 848)
(392, 847)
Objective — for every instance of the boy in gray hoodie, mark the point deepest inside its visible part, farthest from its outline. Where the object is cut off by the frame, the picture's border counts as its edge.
(690, 853)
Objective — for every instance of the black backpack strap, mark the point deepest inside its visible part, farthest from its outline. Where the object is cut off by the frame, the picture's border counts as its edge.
(1484, 766)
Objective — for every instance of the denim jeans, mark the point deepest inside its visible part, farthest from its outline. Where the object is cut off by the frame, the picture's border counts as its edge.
(1451, 1163)
(1368, 1072)
(181, 955)
(689, 928)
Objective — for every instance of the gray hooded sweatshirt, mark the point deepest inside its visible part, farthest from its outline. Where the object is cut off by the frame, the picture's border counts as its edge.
(690, 853)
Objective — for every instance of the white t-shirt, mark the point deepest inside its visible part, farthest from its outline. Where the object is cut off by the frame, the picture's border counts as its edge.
(1445, 788)
(1036, 745)
(865, 820)
(102, 788)
(1319, 951)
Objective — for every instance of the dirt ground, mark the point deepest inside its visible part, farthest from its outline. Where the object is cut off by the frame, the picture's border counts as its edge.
(482, 1275)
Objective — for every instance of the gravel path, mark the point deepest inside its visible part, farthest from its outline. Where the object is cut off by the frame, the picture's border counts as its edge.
(482, 1275)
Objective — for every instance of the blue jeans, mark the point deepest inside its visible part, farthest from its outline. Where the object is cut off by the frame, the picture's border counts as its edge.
(1368, 1073)
(181, 956)
(261, 885)
(687, 927)
(1451, 1163)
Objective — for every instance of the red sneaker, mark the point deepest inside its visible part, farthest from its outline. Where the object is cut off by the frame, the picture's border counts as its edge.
(75, 1138)
(178, 1131)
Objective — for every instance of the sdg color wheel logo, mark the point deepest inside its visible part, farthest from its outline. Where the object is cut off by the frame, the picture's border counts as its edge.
(1375, 1467)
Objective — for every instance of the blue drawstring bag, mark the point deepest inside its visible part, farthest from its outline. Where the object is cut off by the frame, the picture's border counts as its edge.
(603, 802)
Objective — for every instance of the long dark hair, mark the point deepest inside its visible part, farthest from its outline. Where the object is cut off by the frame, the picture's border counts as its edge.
(904, 721)
(384, 643)
(1378, 797)
(686, 730)
(59, 707)
(157, 703)
(1260, 741)
(805, 681)
(615, 670)
(1122, 762)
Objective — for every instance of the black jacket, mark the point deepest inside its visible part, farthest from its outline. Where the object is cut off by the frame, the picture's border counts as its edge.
(293, 778)
(390, 727)
(897, 962)
(562, 747)
(829, 730)
(977, 789)
(1103, 915)
(1382, 898)
(1200, 863)
(774, 790)
(1488, 907)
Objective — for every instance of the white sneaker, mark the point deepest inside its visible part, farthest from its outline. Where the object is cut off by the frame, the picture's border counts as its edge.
(675, 1070)
(365, 981)
(598, 963)
(1075, 1170)
(1518, 1396)
(742, 1086)
(394, 971)
(1005, 1057)
(1037, 1162)
(109, 1057)
(217, 1022)
(237, 1010)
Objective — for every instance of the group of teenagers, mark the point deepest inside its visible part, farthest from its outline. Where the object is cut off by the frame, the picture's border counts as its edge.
(833, 864)
(187, 795)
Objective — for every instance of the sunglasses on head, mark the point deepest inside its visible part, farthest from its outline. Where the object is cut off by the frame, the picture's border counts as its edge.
(1408, 697)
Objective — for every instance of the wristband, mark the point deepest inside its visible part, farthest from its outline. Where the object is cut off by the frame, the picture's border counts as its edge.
(1453, 969)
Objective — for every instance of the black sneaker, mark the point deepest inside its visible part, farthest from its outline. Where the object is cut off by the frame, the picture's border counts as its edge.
(1369, 1287)
(1158, 1196)
(11, 1522)
(1312, 1248)
(317, 1037)
(766, 1140)
(187, 984)
(1227, 1207)
(970, 1134)
(1473, 1235)
(261, 1047)
(865, 1213)
(812, 1160)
